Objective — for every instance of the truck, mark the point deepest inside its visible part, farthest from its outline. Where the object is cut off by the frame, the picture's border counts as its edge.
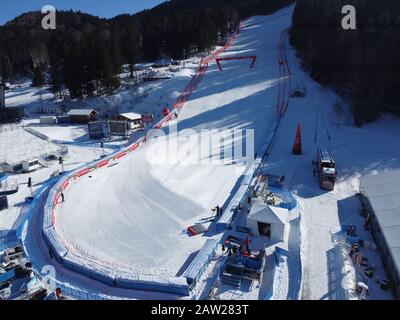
(325, 169)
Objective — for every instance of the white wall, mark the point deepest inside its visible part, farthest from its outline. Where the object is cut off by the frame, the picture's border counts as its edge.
(277, 230)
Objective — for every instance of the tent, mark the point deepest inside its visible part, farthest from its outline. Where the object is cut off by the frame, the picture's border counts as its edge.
(381, 197)
(264, 220)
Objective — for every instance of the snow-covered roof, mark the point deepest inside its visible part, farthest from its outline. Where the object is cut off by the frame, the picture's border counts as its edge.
(141, 66)
(383, 193)
(264, 213)
(80, 112)
(131, 115)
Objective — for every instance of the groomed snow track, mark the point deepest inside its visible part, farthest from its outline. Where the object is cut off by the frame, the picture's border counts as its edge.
(60, 251)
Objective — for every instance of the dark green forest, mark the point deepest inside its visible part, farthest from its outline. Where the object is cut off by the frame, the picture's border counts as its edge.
(363, 63)
(85, 53)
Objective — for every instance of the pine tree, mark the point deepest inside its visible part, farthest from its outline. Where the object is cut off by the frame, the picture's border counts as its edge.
(74, 71)
(130, 45)
(6, 68)
(116, 58)
(56, 76)
(38, 77)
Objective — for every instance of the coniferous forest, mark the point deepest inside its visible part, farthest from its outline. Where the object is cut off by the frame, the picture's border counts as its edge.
(85, 53)
(363, 63)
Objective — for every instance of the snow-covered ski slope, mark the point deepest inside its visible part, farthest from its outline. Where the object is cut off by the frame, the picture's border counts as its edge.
(132, 217)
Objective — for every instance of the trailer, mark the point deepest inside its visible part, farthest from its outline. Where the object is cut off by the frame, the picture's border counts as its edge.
(30, 165)
(325, 168)
(48, 120)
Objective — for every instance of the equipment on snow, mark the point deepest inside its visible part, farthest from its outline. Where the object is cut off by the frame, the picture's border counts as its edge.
(325, 167)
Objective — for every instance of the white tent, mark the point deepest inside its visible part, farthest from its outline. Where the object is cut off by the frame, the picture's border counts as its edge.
(264, 220)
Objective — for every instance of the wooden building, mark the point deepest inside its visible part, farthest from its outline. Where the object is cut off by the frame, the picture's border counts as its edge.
(83, 116)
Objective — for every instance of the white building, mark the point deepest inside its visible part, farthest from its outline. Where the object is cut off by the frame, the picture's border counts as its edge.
(381, 200)
(48, 120)
(134, 120)
(264, 220)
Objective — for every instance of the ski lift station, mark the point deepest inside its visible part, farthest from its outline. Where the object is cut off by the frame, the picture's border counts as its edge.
(381, 199)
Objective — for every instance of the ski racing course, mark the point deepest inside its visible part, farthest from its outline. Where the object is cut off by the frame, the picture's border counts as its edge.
(121, 230)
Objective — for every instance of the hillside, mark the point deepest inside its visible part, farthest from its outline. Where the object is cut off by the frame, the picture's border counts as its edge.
(363, 62)
(86, 49)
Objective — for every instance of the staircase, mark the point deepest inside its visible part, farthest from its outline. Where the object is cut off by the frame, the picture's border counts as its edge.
(231, 279)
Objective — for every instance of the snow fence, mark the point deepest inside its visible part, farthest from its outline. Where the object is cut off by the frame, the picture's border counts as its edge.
(59, 250)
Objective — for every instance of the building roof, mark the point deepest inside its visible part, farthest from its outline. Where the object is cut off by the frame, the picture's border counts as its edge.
(383, 193)
(131, 116)
(264, 213)
(80, 112)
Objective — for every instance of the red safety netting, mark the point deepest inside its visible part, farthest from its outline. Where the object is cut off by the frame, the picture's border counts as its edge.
(193, 84)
